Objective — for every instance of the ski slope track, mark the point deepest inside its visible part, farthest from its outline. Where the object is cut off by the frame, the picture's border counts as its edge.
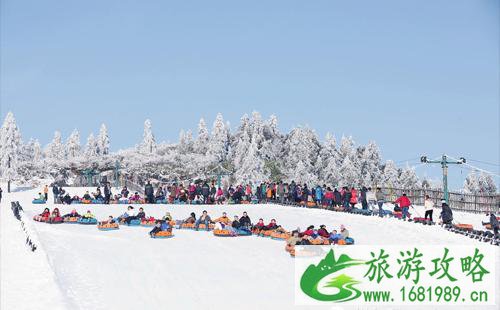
(80, 267)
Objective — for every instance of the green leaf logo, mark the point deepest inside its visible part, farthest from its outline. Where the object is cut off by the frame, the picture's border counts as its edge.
(310, 279)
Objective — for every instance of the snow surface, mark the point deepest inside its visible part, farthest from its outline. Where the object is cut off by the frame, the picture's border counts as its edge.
(79, 267)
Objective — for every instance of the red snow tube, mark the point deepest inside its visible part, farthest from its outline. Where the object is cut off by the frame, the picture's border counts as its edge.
(149, 222)
(40, 218)
(55, 220)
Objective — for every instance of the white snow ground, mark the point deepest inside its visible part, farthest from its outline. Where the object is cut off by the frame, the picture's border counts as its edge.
(79, 267)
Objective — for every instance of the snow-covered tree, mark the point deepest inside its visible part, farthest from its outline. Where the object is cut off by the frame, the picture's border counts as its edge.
(103, 141)
(185, 142)
(301, 146)
(252, 167)
(201, 142)
(391, 175)
(55, 150)
(408, 178)
(218, 146)
(327, 165)
(370, 165)
(148, 145)
(471, 183)
(10, 148)
(91, 147)
(73, 147)
(348, 173)
(479, 183)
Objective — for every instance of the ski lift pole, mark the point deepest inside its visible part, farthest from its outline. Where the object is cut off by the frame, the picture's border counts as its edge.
(444, 164)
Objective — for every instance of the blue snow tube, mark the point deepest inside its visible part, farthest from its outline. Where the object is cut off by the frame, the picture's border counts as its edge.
(106, 229)
(134, 222)
(76, 202)
(161, 201)
(87, 221)
(243, 232)
(349, 241)
(123, 202)
(39, 201)
(97, 201)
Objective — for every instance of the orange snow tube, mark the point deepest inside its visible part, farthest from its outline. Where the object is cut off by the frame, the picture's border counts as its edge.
(464, 226)
(222, 233)
(319, 241)
(202, 226)
(311, 204)
(341, 242)
(279, 236)
(86, 201)
(188, 226)
(108, 226)
(163, 234)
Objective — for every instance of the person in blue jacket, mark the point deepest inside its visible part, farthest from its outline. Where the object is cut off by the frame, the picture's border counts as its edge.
(319, 195)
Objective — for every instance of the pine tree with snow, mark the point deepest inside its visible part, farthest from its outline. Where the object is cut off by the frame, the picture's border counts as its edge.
(486, 184)
(91, 147)
(73, 147)
(408, 179)
(349, 173)
(370, 165)
(148, 145)
(301, 146)
(103, 141)
(252, 167)
(327, 165)
(471, 183)
(218, 146)
(201, 142)
(391, 175)
(55, 150)
(11, 145)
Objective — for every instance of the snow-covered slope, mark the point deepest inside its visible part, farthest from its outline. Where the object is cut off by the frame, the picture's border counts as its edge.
(79, 267)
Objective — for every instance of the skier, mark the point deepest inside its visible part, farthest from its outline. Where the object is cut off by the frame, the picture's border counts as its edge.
(429, 206)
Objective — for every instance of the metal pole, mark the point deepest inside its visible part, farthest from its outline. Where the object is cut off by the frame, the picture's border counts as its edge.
(445, 178)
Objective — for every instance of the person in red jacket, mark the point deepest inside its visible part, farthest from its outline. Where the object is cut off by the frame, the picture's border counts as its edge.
(323, 232)
(309, 231)
(259, 226)
(404, 203)
(45, 213)
(271, 226)
(354, 197)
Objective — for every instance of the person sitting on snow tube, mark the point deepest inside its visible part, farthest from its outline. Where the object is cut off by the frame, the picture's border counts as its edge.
(223, 219)
(191, 219)
(344, 232)
(335, 237)
(141, 215)
(260, 225)
(271, 226)
(73, 213)
(292, 241)
(130, 215)
(167, 217)
(110, 220)
(245, 221)
(87, 196)
(55, 217)
(135, 197)
(88, 215)
(323, 232)
(41, 197)
(66, 199)
(204, 219)
(160, 226)
(45, 213)
(493, 222)
(160, 195)
(309, 231)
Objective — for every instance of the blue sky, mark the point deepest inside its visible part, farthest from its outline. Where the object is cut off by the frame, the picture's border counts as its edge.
(418, 78)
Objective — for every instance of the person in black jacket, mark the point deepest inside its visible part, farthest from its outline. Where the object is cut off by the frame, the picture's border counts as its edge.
(446, 213)
(141, 215)
(364, 202)
(107, 193)
(493, 223)
(337, 198)
(55, 192)
(149, 192)
(236, 223)
(245, 220)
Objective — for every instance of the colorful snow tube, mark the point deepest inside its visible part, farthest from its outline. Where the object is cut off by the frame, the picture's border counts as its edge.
(123, 202)
(187, 226)
(87, 221)
(243, 232)
(38, 201)
(134, 222)
(164, 234)
(255, 201)
(108, 226)
(204, 227)
(76, 202)
(224, 233)
(148, 222)
(349, 241)
(280, 236)
(71, 220)
(161, 201)
(266, 233)
(319, 241)
(97, 201)
(39, 218)
(86, 201)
